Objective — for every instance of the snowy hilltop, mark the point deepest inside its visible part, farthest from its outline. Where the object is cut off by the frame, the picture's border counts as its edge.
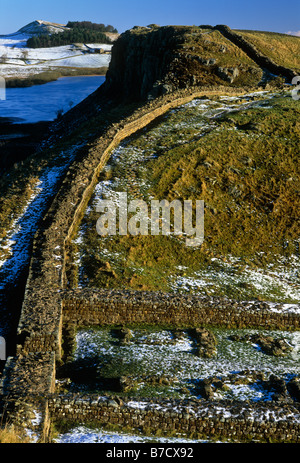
(19, 61)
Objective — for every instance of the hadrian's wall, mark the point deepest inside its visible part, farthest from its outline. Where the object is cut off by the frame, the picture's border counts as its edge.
(262, 60)
(28, 379)
(82, 307)
(41, 316)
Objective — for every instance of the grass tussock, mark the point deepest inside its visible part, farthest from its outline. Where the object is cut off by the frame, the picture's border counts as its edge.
(9, 435)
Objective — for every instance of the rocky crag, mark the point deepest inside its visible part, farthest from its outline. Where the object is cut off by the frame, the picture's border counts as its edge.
(153, 61)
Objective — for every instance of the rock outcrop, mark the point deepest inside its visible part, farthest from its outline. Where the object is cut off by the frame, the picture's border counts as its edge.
(152, 61)
(268, 344)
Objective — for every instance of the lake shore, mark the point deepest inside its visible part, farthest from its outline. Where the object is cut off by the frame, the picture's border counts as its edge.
(52, 75)
(27, 113)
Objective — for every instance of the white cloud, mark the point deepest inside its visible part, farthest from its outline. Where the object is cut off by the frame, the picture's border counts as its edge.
(297, 33)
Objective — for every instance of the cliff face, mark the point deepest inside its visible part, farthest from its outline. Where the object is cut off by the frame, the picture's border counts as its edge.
(148, 62)
(141, 60)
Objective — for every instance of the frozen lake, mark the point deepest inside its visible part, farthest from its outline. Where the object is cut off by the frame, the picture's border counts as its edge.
(42, 102)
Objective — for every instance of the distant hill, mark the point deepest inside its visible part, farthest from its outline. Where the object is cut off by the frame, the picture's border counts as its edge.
(42, 27)
(56, 50)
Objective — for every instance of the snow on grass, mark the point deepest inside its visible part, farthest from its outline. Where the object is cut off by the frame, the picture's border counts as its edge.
(18, 238)
(9, 241)
(23, 228)
(17, 39)
(86, 61)
(19, 69)
(273, 285)
(49, 53)
(159, 353)
(83, 434)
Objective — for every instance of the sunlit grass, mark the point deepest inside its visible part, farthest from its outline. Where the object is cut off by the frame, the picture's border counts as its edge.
(9, 435)
(284, 49)
(240, 157)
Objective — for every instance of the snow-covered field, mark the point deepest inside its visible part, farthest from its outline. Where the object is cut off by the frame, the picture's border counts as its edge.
(16, 60)
(83, 434)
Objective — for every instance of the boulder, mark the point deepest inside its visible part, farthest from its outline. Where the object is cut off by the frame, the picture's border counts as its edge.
(228, 74)
(205, 342)
(123, 334)
(268, 344)
(206, 389)
(278, 387)
(293, 387)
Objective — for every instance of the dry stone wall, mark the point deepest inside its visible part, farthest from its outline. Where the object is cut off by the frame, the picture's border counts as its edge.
(198, 418)
(84, 307)
(263, 61)
(29, 377)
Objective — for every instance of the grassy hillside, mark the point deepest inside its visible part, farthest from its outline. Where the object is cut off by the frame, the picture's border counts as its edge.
(209, 43)
(240, 157)
(282, 48)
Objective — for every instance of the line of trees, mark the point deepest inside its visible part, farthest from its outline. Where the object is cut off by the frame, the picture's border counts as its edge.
(78, 32)
(91, 26)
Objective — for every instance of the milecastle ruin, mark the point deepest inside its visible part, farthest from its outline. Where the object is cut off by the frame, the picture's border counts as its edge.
(52, 311)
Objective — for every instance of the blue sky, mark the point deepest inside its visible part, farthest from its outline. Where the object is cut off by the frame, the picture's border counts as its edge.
(270, 15)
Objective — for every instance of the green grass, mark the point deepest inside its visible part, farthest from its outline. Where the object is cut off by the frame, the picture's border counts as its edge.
(244, 165)
(163, 363)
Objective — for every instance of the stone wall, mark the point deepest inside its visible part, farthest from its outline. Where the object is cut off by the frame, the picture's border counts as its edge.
(48, 305)
(84, 307)
(201, 419)
(263, 61)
